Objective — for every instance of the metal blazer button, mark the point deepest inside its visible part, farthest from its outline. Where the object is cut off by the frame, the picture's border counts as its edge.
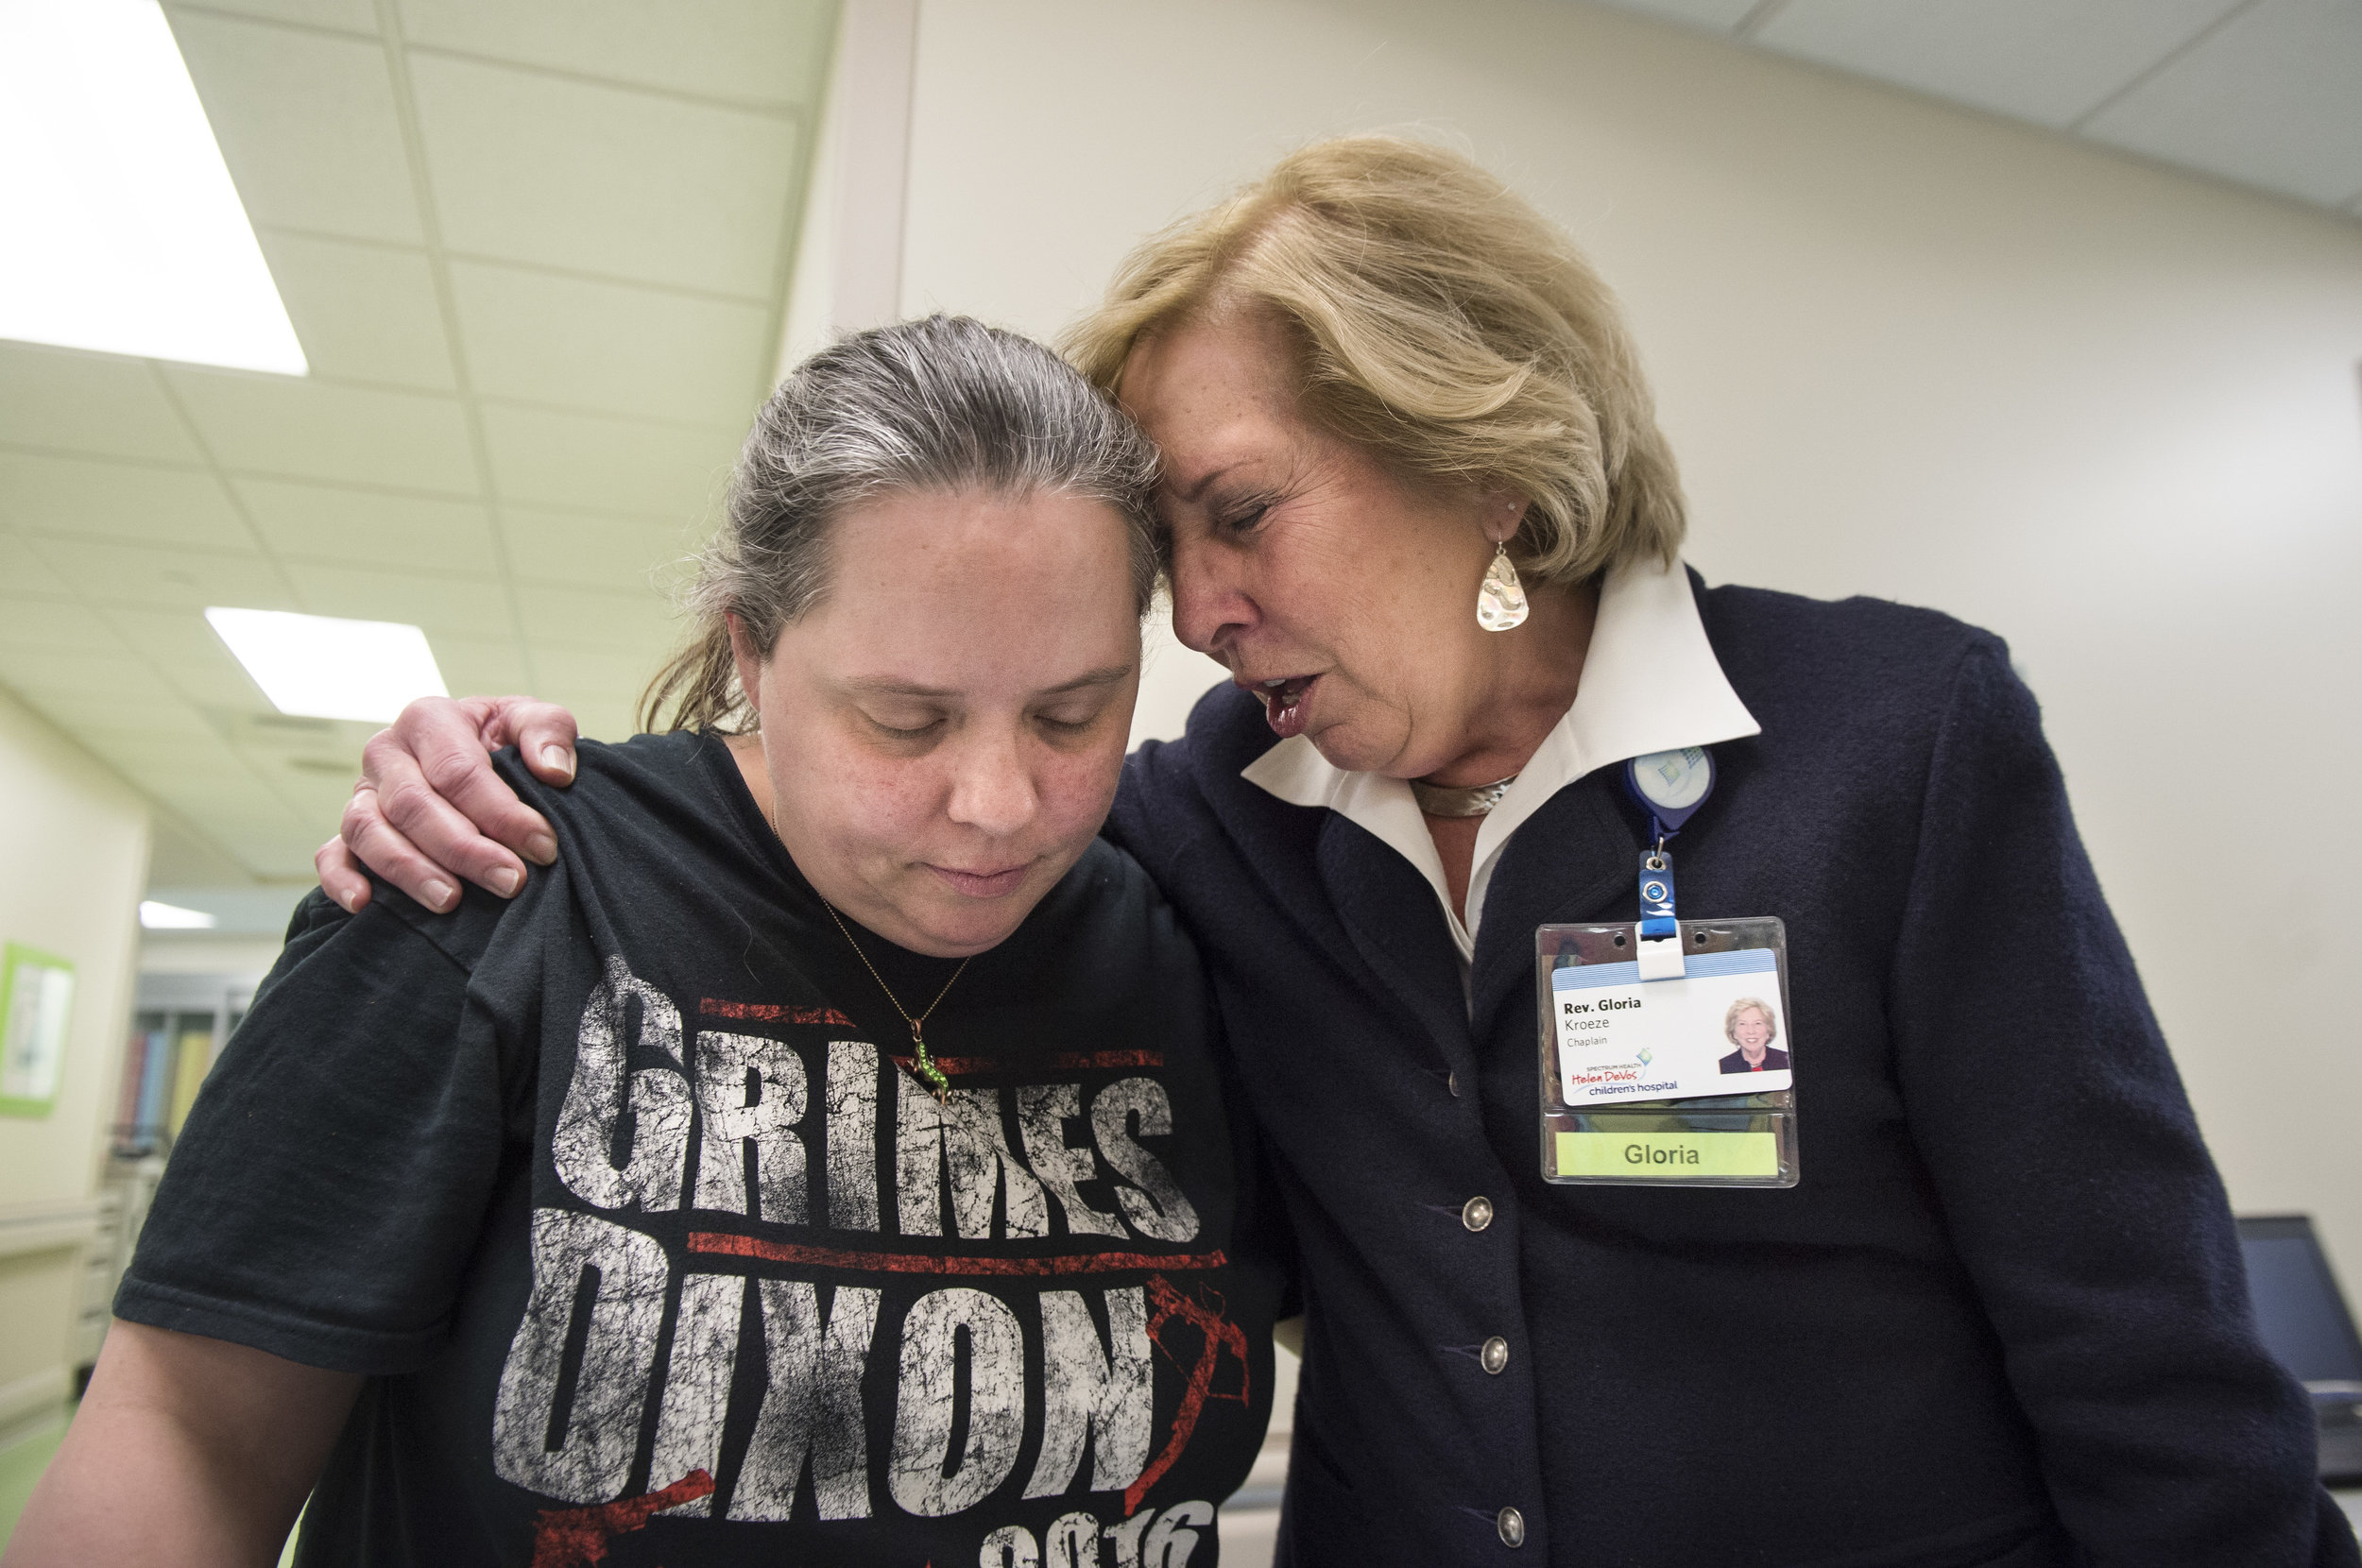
(1494, 1355)
(1477, 1213)
(1513, 1527)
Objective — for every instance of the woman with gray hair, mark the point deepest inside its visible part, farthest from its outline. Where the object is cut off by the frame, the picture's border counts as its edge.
(641, 1218)
(1984, 1306)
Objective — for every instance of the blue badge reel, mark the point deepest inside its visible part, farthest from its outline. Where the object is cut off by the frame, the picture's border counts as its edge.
(1667, 1050)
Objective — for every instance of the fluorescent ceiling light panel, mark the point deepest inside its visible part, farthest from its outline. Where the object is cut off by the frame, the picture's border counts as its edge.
(172, 917)
(320, 668)
(119, 227)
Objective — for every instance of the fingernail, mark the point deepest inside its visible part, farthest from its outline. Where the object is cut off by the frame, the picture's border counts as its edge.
(554, 756)
(506, 882)
(543, 848)
(352, 901)
(440, 896)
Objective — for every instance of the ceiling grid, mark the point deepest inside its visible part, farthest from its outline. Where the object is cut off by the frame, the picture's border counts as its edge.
(2264, 92)
(447, 310)
(537, 255)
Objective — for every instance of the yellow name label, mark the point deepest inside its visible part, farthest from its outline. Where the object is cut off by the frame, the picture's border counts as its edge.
(1668, 1154)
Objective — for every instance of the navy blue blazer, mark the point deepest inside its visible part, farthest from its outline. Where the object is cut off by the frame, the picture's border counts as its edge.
(2001, 1319)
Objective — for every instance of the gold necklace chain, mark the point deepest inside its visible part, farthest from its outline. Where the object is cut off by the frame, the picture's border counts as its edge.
(928, 1072)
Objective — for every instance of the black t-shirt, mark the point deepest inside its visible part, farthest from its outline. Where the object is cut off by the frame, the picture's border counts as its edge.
(653, 1251)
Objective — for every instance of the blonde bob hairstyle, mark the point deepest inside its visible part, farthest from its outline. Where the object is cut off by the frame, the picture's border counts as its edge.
(1739, 1009)
(1443, 325)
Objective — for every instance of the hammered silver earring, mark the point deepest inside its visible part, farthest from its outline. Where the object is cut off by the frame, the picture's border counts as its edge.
(1500, 598)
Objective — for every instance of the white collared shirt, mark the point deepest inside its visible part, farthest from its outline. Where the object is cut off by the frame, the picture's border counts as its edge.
(1649, 682)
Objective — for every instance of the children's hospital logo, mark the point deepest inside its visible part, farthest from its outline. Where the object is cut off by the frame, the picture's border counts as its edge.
(621, 1326)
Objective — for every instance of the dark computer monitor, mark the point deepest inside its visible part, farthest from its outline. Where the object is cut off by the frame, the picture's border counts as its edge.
(2306, 1327)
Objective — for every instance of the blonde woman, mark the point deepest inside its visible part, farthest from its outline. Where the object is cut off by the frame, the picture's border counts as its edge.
(2000, 1322)
(1749, 1026)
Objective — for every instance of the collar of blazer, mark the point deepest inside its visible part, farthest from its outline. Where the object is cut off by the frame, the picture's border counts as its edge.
(1650, 683)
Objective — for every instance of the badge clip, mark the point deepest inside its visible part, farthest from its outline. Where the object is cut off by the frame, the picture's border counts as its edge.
(1660, 948)
(1669, 786)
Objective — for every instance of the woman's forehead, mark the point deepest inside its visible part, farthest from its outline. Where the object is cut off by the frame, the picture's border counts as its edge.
(1035, 587)
(1211, 371)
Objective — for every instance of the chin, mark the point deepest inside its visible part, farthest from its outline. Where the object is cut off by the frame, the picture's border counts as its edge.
(955, 926)
(1345, 747)
(964, 933)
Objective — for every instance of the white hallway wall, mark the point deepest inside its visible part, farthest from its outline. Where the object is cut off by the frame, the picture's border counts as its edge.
(73, 859)
(2107, 410)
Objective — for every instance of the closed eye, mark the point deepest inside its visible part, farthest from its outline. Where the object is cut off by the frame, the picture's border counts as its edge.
(1069, 720)
(1245, 519)
(905, 732)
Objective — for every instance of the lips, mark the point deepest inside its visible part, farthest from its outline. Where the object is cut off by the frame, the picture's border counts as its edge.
(981, 884)
(1283, 701)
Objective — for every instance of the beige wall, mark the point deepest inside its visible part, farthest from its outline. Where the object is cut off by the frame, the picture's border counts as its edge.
(2107, 410)
(73, 859)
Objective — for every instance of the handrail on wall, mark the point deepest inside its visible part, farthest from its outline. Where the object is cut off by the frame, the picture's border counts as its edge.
(45, 1226)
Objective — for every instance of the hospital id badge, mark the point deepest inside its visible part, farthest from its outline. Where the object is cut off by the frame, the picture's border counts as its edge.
(1687, 1081)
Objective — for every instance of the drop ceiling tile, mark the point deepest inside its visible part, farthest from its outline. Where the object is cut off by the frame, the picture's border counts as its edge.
(362, 312)
(325, 523)
(88, 498)
(164, 718)
(618, 674)
(238, 806)
(761, 51)
(187, 776)
(230, 807)
(604, 179)
(307, 125)
(268, 733)
(316, 786)
(2271, 99)
(28, 574)
(178, 766)
(628, 625)
(274, 852)
(63, 625)
(181, 854)
(608, 464)
(111, 573)
(58, 711)
(79, 401)
(465, 606)
(480, 667)
(601, 691)
(298, 428)
(261, 815)
(318, 805)
(49, 672)
(621, 554)
(182, 647)
(217, 681)
(604, 718)
(353, 16)
(2045, 60)
(1720, 15)
(157, 770)
(613, 347)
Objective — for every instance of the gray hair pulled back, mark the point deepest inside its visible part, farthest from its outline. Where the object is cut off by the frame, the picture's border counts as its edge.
(943, 404)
